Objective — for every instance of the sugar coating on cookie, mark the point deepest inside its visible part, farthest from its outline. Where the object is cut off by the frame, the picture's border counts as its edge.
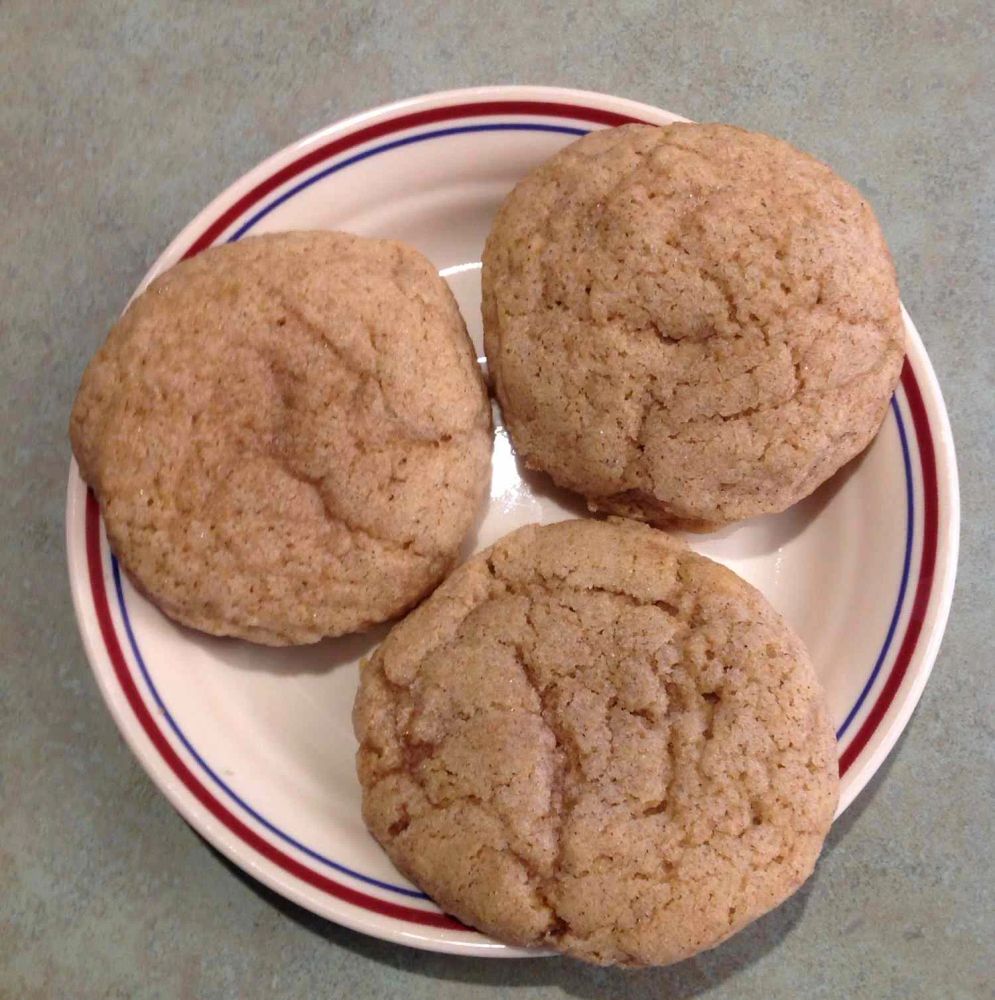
(591, 738)
(289, 436)
(690, 324)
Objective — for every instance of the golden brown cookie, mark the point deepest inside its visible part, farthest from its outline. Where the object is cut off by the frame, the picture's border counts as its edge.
(593, 739)
(289, 436)
(692, 324)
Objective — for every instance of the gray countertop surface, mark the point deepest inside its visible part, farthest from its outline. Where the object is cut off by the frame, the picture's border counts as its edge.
(118, 121)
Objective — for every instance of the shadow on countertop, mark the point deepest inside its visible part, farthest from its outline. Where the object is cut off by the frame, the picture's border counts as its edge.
(684, 980)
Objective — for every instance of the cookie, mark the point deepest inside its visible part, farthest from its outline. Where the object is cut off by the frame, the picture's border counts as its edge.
(690, 325)
(591, 738)
(289, 436)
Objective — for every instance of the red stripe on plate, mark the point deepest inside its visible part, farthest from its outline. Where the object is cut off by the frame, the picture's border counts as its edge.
(210, 234)
(413, 120)
(924, 584)
(206, 799)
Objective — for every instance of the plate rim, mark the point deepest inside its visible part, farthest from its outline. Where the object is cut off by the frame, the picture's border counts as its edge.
(925, 647)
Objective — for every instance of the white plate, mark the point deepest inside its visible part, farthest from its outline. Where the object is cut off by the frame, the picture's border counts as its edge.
(254, 746)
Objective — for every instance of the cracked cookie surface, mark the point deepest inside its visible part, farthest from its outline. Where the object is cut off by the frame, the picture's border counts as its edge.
(289, 436)
(692, 324)
(591, 738)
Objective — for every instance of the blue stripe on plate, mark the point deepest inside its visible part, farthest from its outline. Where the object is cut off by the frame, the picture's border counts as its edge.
(241, 231)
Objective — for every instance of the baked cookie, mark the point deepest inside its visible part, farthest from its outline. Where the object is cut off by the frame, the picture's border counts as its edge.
(593, 739)
(690, 325)
(289, 436)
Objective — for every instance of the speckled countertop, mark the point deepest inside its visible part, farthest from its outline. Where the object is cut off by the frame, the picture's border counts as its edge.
(119, 120)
